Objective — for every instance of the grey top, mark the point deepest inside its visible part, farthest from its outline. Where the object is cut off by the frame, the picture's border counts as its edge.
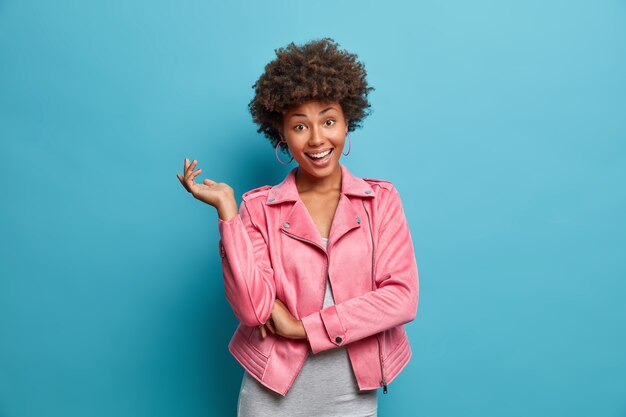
(325, 387)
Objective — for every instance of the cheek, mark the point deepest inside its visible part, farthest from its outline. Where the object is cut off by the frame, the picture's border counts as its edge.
(339, 139)
(296, 145)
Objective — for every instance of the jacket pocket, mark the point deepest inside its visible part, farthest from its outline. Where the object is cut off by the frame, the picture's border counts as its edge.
(395, 358)
(262, 345)
(391, 340)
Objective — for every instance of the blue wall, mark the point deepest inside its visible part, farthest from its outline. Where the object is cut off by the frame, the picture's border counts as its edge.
(501, 123)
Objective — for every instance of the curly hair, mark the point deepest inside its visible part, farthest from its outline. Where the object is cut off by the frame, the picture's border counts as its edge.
(316, 70)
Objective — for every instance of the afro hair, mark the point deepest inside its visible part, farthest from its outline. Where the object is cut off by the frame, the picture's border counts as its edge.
(317, 70)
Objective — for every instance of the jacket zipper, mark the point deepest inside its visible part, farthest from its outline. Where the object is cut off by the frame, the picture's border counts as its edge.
(383, 383)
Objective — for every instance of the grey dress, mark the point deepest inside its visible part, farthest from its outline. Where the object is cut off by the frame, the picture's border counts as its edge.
(325, 387)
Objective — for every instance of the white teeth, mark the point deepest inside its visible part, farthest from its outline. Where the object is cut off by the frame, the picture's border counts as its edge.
(319, 155)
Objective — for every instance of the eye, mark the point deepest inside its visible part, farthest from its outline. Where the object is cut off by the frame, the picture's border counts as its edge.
(297, 126)
(330, 120)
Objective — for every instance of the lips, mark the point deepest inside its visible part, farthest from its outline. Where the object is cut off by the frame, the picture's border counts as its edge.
(318, 156)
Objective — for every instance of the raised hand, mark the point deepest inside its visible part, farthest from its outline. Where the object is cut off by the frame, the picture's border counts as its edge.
(217, 194)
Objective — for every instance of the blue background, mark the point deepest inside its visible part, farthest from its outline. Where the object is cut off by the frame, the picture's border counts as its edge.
(502, 123)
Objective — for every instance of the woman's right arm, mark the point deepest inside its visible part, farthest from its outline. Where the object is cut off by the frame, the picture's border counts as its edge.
(248, 275)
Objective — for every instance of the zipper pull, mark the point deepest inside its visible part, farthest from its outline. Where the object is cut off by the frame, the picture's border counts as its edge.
(384, 384)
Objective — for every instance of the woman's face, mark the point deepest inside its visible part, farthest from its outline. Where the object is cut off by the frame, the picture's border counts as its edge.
(315, 133)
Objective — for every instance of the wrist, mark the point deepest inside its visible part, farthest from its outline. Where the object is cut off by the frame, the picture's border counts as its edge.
(227, 208)
(301, 331)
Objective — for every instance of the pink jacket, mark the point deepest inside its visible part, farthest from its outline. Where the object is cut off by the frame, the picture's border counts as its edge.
(272, 249)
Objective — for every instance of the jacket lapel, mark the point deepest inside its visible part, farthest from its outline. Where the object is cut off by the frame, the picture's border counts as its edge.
(298, 222)
(345, 219)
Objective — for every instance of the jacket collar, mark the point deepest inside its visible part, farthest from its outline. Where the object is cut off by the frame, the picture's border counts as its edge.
(287, 190)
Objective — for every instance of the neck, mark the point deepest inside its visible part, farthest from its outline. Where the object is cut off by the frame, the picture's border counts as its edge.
(308, 183)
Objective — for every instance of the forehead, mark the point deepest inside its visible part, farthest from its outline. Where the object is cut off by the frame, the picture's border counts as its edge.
(312, 108)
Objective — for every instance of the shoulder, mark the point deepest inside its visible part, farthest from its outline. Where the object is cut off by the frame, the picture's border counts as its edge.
(256, 192)
(378, 184)
(387, 194)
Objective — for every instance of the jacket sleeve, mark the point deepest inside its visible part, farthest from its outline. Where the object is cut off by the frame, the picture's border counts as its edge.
(247, 271)
(392, 303)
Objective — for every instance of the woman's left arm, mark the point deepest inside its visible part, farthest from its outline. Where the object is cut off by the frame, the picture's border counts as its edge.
(392, 303)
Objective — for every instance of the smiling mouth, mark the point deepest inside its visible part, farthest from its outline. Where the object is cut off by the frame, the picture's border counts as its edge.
(319, 155)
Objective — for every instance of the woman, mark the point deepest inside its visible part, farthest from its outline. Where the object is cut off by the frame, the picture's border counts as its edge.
(319, 269)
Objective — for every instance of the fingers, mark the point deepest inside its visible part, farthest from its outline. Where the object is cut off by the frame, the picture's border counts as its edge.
(270, 325)
(188, 177)
(181, 178)
(182, 181)
(188, 168)
(191, 167)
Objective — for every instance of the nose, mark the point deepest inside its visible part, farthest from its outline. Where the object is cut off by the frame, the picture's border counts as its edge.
(316, 139)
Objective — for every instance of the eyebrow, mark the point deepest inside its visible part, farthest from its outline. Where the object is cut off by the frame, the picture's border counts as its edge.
(304, 115)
